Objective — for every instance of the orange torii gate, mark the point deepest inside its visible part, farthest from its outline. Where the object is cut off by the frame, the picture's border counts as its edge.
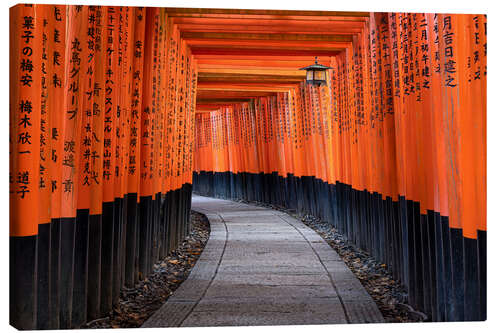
(391, 150)
(98, 152)
(114, 110)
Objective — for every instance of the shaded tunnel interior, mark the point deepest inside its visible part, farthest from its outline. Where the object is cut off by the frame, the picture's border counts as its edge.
(118, 114)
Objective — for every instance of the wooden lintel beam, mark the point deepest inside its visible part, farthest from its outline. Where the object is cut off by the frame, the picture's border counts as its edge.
(266, 44)
(241, 84)
(262, 12)
(232, 93)
(242, 89)
(254, 80)
(265, 36)
(209, 106)
(206, 110)
(282, 29)
(257, 65)
(273, 21)
(224, 101)
(275, 51)
(254, 71)
(246, 90)
(235, 91)
(241, 78)
(245, 57)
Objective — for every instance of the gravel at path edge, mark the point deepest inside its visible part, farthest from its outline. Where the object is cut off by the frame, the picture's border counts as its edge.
(137, 304)
(390, 295)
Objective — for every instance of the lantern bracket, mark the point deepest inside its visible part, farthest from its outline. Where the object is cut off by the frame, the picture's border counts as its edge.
(316, 73)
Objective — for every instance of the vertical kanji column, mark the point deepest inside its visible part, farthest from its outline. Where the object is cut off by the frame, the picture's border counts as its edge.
(55, 103)
(134, 145)
(108, 161)
(97, 108)
(84, 44)
(147, 152)
(43, 242)
(25, 83)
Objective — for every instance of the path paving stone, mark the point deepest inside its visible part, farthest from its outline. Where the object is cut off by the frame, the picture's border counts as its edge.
(263, 267)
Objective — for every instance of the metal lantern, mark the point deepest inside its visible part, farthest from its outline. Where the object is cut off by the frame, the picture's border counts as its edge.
(316, 74)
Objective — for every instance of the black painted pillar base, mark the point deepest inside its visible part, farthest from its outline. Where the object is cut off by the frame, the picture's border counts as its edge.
(131, 237)
(22, 276)
(117, 245)
(67, 270)
(144, 235)
(471, 280)
(94, 267)
(55, 273)
(457, 266)
(43, 278)
(481, 243)
(173, 219)
(80, 277)
(107, 258)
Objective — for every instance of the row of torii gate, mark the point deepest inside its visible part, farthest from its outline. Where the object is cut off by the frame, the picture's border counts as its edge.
(117, 113)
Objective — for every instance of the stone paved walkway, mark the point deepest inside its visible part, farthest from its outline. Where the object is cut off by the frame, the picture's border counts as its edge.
(264, 267)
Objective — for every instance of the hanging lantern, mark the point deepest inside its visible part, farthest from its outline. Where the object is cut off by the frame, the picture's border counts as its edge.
(316, 74)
